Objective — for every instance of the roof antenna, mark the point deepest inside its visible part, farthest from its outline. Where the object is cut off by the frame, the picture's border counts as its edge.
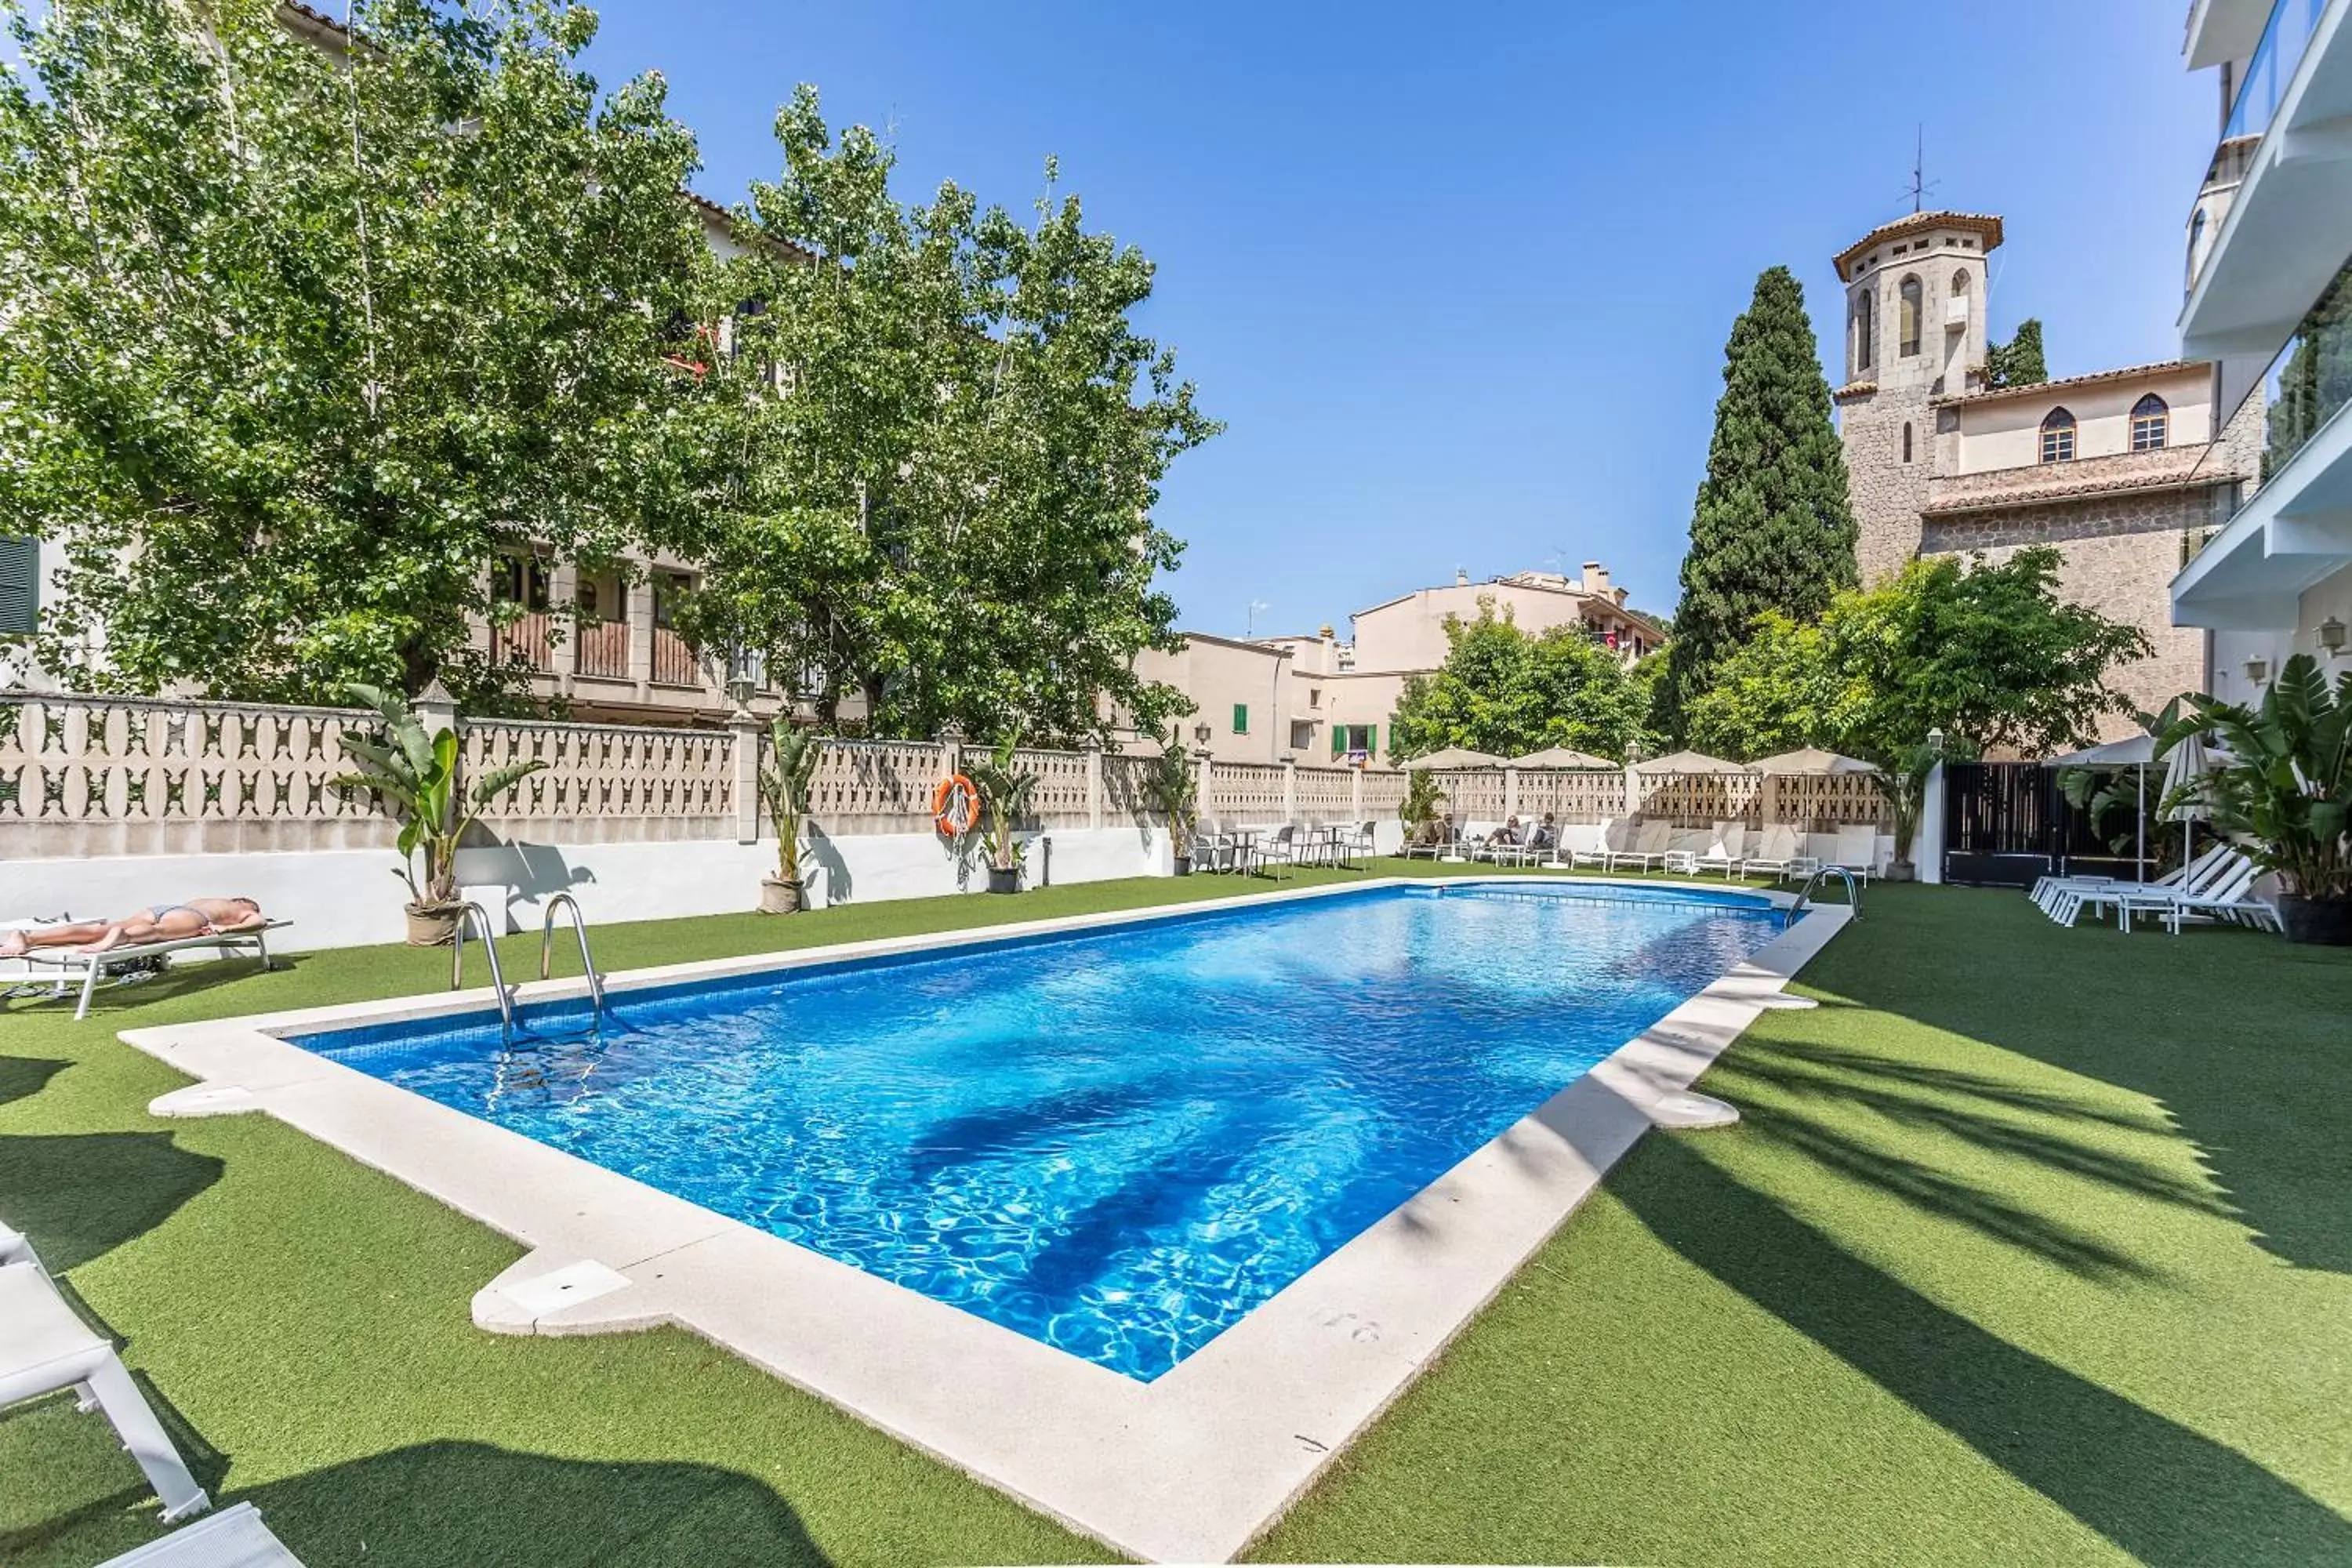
(1920, 185)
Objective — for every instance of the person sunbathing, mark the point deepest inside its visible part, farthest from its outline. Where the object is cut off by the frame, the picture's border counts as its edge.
(161, 923)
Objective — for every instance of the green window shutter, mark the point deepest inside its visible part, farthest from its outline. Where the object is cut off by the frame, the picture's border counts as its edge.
(1338, 739)
(1241, 718)
(20, 585)
(1371, 739)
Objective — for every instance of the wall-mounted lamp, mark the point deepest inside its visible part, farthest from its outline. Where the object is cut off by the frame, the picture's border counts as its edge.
(2258, 671)
(2331, 635)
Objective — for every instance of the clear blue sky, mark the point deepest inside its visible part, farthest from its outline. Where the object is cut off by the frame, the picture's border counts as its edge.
(1458, 278)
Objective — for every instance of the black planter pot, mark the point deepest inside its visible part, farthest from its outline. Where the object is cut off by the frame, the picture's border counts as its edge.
(1003, 879)
(2324, 922)
(1184, 865)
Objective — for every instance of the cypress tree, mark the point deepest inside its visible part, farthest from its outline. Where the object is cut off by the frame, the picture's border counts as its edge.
(1771, 528)
(2019, 362)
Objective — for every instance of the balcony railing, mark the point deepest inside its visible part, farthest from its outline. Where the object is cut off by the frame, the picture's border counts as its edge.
(674, 662)
(526, 643)
(2302, 390)
(2273, 66)
(603, 649)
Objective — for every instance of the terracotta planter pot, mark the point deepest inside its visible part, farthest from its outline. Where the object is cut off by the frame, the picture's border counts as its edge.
(434, 925)
(778, 897)
(1004, 879)
(2323, 922)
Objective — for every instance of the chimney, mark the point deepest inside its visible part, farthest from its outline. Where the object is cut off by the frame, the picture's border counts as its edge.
(1596, 578)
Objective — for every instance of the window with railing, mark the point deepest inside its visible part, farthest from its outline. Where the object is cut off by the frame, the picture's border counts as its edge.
(601, 626)
(673, 661)
(2273, 66)
(521, 636)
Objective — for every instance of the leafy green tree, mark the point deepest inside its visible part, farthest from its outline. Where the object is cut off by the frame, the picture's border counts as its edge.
(298, 344)
(1504, 691)
(2019, 362)
(1988, 654)
(948, 511)
(1771, 528)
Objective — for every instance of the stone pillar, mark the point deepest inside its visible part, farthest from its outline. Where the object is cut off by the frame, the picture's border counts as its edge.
(1632, 783)
(1289, 785)
(1356, 795)
(640, 597)
(950, 751)
(1204, 778)
(1094, 785)
(563, 617)
(745, 730)
(434, 707)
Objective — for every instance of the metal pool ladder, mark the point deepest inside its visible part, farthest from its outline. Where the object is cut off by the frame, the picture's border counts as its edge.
(1804, 895)
(580, 929)
(473, 914)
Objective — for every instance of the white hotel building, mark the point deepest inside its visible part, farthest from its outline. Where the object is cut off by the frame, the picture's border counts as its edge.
(2270, 298)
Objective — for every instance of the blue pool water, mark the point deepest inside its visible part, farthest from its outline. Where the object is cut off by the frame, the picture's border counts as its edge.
(1116, 1141)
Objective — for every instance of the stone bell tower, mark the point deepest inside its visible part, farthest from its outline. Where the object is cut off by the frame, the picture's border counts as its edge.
(1914, 332)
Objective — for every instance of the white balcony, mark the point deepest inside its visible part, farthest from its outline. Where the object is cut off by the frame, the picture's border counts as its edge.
(2297, 531)
(2290, 227)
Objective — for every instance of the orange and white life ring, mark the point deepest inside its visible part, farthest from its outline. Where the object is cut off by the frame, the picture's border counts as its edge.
(955, 807)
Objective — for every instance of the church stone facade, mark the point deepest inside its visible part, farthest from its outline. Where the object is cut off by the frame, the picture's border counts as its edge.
(2122, 471)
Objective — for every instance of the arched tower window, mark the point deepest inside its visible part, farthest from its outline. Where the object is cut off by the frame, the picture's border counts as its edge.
(1906, 440)
(2151, 423)
(1909, 314)
(1865, 328)
(2058, 436)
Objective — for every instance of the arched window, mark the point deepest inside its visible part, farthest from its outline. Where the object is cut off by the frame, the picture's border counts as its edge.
(1906, 440)
(2057, 437)
(2150, 422)
(1865, 328)
(1908, 316)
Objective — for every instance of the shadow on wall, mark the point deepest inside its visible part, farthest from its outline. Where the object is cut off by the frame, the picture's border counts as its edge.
(2156, 1488)
(80, 1195)
(449, 1502)
(832, 883)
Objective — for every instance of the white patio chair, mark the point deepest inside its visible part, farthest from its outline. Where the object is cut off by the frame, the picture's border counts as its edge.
(44, 1349)
(1590, 844)
(1649, 847)
(1723, 855)
(1855, 849)
(1778, 855)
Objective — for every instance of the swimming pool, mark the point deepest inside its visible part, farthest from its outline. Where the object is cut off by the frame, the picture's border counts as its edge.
(1118, 1141)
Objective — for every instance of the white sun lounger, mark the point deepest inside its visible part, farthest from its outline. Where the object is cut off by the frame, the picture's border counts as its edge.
(233, 1538)
(1648, 849)
(66, 964)
(1591, 845)
(1779, 853)
(1723, 855)
(2059, 897)
(46, 1349)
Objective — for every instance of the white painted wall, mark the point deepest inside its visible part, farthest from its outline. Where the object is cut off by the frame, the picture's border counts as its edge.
(350, 899)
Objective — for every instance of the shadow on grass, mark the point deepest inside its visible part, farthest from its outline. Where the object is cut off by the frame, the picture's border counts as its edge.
(2227, 1029)
(79, 1195)
(450, 1503)
(121, 1000)
(2156, 1488)
(21, 1077)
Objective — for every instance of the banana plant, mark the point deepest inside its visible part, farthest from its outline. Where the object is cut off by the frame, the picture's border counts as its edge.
(416, 773)
(2284, 790)
(1004, 789)
(784, 787)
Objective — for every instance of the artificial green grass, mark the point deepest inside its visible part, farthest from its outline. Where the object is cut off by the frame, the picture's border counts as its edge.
(2032, 1247)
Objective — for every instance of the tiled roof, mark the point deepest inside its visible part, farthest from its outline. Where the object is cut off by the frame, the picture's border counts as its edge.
(2041, 388)
(2107, 477)
(1853, 389)
(1984, 223)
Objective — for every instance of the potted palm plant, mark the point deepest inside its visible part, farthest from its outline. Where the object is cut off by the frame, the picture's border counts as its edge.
(783, 789)
(2284, 790)
(416, 771)
(1175, 796)
(1004, 790)
(1901, 773)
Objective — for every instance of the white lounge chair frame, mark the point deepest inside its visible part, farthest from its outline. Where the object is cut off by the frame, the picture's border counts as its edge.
(234, 1535)
(91, 966)
(46, 1348)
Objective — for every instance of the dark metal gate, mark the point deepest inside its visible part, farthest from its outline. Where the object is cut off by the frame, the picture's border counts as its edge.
(2006, 824)
(2000, 823)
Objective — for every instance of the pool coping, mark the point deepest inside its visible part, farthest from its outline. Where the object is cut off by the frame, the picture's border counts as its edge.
(1191, 1467)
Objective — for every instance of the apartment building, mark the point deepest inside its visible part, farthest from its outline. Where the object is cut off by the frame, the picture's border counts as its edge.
(2269, 296)
(1319, 699)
